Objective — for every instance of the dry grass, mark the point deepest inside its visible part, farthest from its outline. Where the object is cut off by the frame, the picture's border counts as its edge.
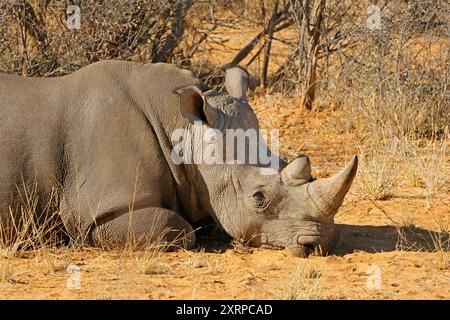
(304, 285)
(441, 243)
(442, 256)
(406, 221)
(24, 229)
(53, 260)
(150, 260)
(198, 260)
(432, 168)
(8, 270)
(150, 263)
(241, 247)
(378, 176)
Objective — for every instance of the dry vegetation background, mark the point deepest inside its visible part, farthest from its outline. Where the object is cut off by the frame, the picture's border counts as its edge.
(325, 75)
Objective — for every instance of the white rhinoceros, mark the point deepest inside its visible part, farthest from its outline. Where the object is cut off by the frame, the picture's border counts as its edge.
(101, 137)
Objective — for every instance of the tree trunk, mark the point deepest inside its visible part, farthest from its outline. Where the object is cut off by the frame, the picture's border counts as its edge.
(176, 32)
(268, 46)
(309, 88)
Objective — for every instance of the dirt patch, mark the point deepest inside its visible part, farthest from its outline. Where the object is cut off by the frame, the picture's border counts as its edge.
(261, 274)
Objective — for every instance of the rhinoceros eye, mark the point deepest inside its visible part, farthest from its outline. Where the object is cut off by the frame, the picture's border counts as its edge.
(260, 199)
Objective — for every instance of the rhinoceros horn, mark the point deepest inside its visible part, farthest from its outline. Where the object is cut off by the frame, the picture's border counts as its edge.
(328, 194)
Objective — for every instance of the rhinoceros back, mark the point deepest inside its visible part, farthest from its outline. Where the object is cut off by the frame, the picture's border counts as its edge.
(86, 131)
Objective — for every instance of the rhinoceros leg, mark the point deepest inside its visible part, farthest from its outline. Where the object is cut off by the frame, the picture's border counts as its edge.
(143, 227)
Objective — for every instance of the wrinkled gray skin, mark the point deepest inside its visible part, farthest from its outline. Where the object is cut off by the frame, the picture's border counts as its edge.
(101, 137)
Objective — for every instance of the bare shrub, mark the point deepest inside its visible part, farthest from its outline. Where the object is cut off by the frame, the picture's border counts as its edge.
(396, 79)
(35, 40)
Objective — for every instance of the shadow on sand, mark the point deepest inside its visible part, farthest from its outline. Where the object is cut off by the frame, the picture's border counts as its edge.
(374, 239)
(370, 239)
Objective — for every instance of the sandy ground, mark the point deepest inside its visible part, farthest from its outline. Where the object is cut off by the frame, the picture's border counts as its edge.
(260, 274)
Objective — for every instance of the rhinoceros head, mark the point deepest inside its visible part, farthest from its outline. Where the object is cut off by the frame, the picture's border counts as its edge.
(287, 208)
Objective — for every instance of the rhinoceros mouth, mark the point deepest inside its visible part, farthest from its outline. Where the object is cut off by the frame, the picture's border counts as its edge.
(301, 251)
(272, 246)
(306, 250)
(306, 245)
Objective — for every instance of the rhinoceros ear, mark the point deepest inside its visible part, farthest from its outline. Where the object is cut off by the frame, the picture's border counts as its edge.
(194, 106)
(298, 171)
(236, 82)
